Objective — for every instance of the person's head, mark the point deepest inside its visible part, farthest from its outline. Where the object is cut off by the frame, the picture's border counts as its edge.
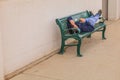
(82, 20)
(70, 20)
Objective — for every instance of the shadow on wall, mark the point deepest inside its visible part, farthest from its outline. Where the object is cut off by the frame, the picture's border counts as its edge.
(105, 8)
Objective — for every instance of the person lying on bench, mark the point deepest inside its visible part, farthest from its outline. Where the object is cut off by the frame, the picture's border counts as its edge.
(84, 24)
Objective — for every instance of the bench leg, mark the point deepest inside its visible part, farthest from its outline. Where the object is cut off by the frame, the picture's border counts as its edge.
(78, 48)
(89, 36)
(103, 33)
(62, 47)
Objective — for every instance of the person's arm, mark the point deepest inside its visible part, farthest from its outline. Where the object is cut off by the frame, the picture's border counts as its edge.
(73, 24)
(82, 20)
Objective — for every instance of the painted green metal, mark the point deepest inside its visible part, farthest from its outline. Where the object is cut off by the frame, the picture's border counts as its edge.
(103, 33)
(62, 23)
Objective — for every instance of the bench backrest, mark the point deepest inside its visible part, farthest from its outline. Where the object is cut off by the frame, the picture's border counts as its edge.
(62, 22)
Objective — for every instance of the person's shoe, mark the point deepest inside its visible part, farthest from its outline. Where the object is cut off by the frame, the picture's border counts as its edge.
(91, 13)
(100, 12)
(101, 19)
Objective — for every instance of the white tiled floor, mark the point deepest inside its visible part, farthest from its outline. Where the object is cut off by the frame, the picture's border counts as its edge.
(100, 61)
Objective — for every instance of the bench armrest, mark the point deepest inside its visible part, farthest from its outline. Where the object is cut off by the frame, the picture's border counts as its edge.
(74, 30)
(102, 19)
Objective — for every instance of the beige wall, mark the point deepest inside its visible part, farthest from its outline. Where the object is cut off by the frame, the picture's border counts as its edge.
(1, 59)
(113, 9)
(29, 28)
(119, 8)
(105, 8)
(1, 64)
(1, 52)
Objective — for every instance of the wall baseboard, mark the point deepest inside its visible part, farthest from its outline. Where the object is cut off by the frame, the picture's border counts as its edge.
(32, 64)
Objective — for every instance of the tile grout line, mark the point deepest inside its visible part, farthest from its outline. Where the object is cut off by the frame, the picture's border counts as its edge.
(41, 76)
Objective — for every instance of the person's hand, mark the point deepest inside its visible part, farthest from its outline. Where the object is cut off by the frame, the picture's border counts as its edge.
(72, 22)
(75, 26)
(82, 20)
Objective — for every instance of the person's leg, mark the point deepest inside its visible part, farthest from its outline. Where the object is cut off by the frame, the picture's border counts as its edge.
(92, 20)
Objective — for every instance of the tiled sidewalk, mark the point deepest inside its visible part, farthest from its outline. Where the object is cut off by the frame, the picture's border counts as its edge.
(100, 61)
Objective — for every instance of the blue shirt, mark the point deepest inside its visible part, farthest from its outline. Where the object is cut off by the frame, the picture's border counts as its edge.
(85, 27)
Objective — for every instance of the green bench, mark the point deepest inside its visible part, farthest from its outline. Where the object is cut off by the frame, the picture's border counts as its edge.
(62, 23)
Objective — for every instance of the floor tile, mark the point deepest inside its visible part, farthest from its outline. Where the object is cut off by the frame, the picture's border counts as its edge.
(30, 77)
